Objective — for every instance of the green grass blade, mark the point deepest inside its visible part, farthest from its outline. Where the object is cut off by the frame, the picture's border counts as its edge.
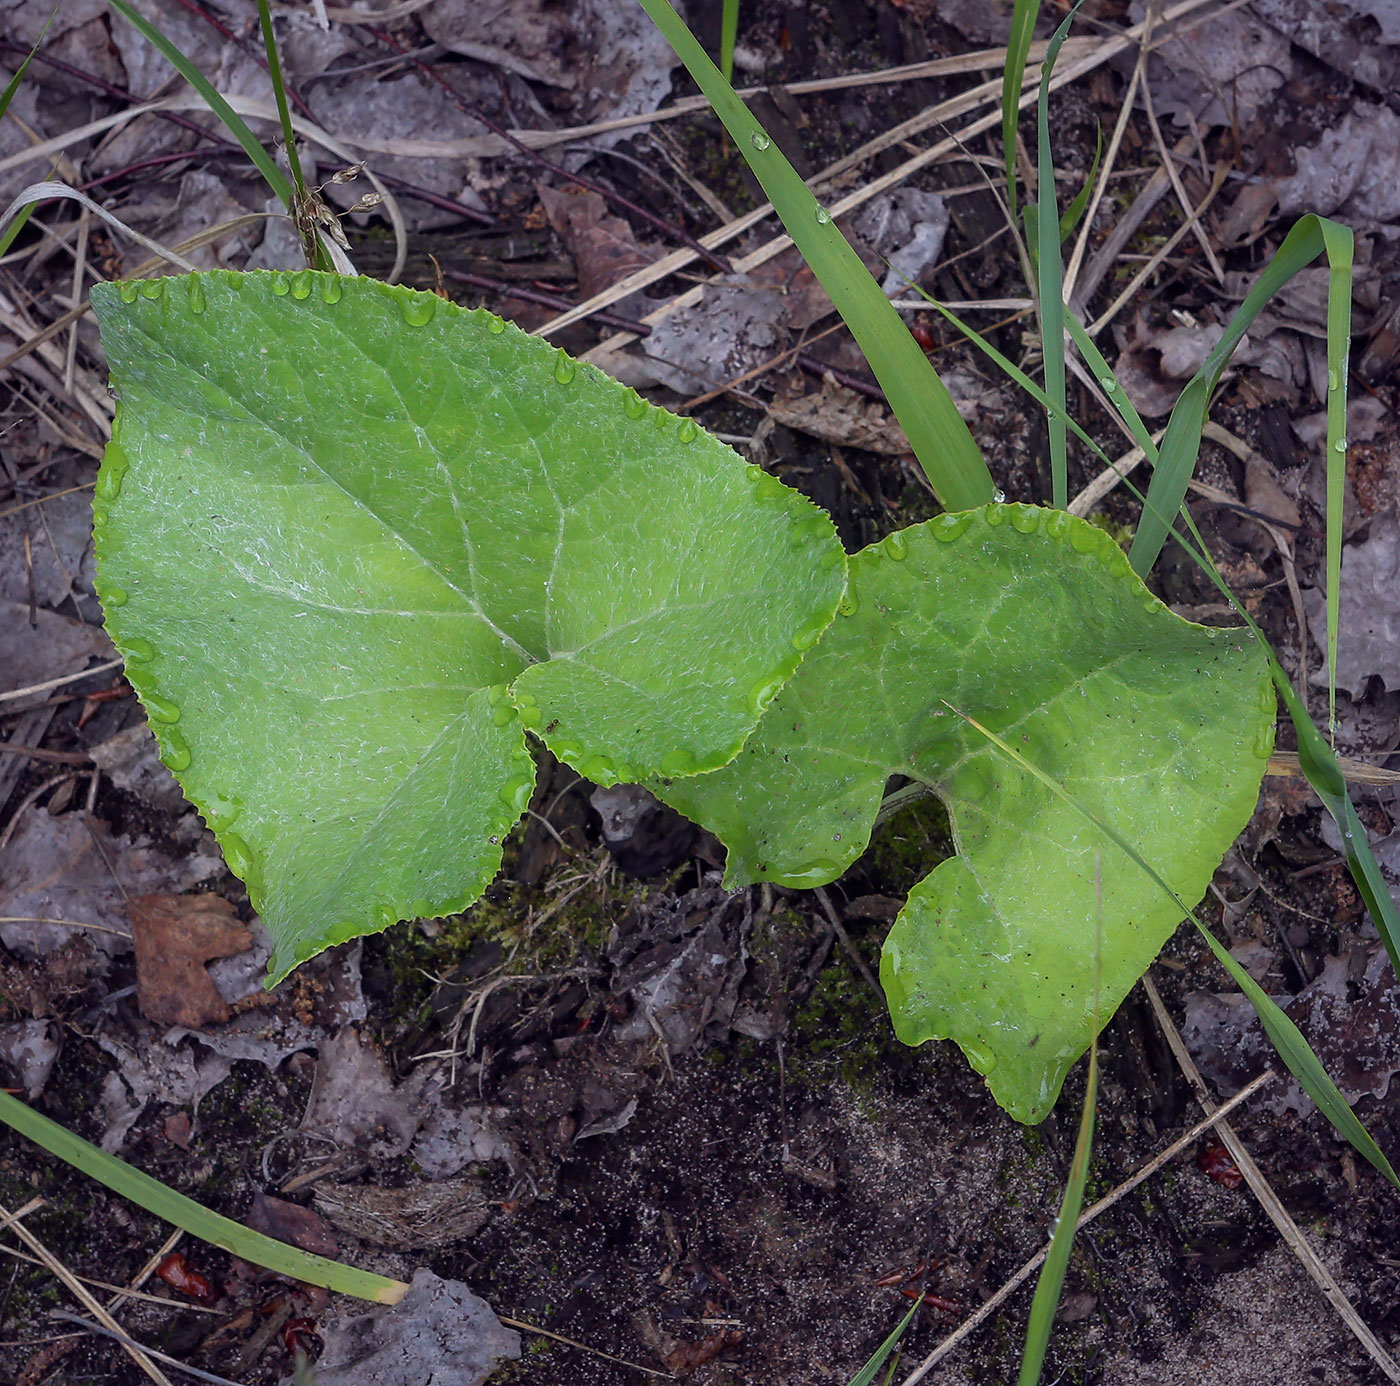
(12, 86)
(1182, 441)
(1050, 274)
(1292, 1048)
(940, 439)
(279, 90)
(1018, 47)
(1117, 396)
(871, 1369)
(1339, 243)
(266, 165)
(191, 1217)
(728, 33)
(9, 235)
(1052, 1274)
(1074, 213)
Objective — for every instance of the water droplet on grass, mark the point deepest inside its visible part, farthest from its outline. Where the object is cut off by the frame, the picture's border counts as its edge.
(116, 596)
(1340, 445)
(759, 140)
(823, 217)
(999, 496)
(331, 289)
(197, 301)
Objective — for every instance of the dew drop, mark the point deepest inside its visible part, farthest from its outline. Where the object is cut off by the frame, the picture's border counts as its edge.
(813, 874)
(418, 309)
(515, 794)
(238, 856)
(301, 285)
(600, 770)
(331, 288)
(688, 431)
(197, 301)
(998, 496)
(280, 286)
(139, 651)
(495, 325)
(763, 693)
(633, 405)
(759, 140)
(678, 762)
(502, 715)
(982, 1059)
(564, 368)
(1108, 383)
(1340, 445)
(161, 709)
(1264, 742)
(530, 714)
(221, 812)
(111, 475)
(808, 635)
(996, 515)
(1332, 382)
(896, 546)
(823, 217)
(946, 528)
(1057, 524)
(422, 908)
(849, 604)
(153, 288)
(831, 558)
(116, 596)
(127, 290)
(99, 519)
(1025, 519)
(177, 750)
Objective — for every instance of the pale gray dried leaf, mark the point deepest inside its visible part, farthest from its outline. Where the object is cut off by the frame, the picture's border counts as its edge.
(439, 1334)
(59, 554)
(49, 648)
(30, 1047)
(71, 867)
(131, 760)
(1336, 33)
(451, 1138)
(355, 1102)
(905, 229)
(1353, 170)
(151, 1067)
(1225, 67)
(1369, 629)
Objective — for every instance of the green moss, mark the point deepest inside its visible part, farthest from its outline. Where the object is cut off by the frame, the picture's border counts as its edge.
(906, 847)
(843, 1030)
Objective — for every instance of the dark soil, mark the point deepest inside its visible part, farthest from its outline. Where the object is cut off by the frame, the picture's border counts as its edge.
(761, 1205)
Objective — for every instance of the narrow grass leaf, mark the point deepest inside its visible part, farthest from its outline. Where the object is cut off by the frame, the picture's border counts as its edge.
(940, 439)
(1018, 47)
(1074, 213)
(728, 33)
(11, 232)
(1052, 1274)
(191, 1217)
(1112, 386)
(235, 124)
(1339, 243)
(1181, 443)
(279, 91)
(881, 1354)
(1050, 274)
(1292, 1048)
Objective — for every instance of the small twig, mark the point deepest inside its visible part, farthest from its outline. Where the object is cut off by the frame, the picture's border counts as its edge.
(132, 1346)
(33, 688)
(852, 951)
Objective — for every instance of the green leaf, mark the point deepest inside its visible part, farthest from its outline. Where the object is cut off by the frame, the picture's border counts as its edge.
(353, 541)
(1031, 621)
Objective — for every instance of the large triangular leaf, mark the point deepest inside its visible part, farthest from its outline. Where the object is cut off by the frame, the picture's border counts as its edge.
(1032, 622)
(350, 537)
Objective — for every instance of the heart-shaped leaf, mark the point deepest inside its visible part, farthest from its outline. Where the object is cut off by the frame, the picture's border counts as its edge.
(350, 538)
(1031, 622)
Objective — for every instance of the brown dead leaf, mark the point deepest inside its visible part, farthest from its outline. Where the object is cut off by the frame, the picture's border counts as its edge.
(175, 935)
(603, 246)
(291, 1223)
(839, 415)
